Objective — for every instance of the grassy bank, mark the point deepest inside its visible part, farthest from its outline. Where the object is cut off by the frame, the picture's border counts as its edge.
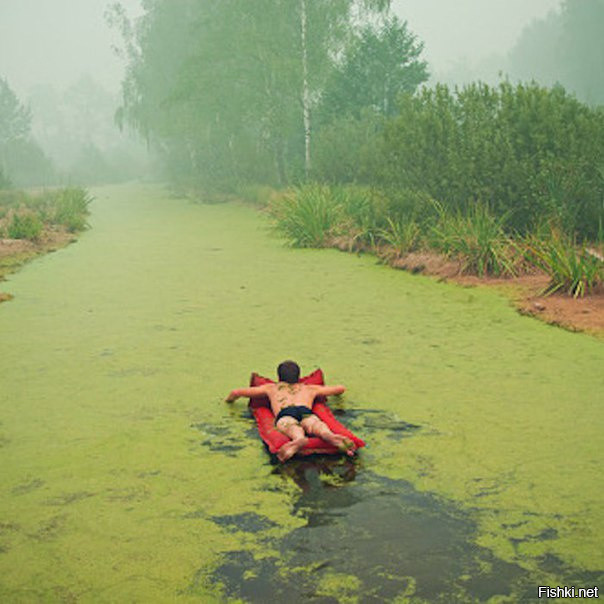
(33, 223)
(391, 226)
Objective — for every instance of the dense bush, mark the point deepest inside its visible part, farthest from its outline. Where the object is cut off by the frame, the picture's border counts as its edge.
(526, 151)
(344, 149)
(532, 155)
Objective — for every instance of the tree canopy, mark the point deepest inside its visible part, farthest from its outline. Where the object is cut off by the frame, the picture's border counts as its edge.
(232, 91)
(22, 161)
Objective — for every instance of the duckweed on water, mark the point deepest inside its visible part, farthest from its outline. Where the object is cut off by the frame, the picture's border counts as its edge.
(125, 477)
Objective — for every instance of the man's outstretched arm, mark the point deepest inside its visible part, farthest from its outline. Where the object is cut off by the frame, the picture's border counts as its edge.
(249, 392)
(330, 390)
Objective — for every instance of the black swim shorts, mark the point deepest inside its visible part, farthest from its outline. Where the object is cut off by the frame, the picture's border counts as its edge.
(298, 412)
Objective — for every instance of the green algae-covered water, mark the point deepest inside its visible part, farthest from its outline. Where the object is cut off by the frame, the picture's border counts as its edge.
(126, 478)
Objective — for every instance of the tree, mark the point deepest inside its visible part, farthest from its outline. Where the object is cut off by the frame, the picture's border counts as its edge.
(566, 47)
(583, 49)
(22, 161)
(15, 123)
(380, 63)
(15, 118)
(227, 88)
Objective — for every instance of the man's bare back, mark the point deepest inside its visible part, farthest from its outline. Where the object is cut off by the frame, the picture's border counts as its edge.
(283, 395)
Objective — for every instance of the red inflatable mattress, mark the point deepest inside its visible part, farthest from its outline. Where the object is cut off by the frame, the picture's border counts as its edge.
(261, 410)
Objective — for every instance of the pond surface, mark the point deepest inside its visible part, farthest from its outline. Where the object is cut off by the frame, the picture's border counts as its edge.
(126, 478)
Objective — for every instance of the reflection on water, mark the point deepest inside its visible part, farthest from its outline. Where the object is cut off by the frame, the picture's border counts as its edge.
(366, 537)
(318, 472)
(368, 422)
(371, 537)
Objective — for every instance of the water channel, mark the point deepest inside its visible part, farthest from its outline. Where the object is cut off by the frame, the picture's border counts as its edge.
(126, 478)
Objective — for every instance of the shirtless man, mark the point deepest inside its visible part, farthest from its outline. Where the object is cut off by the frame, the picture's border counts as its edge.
(291, 403)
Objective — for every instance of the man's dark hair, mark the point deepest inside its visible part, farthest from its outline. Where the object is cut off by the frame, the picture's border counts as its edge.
(289, 372)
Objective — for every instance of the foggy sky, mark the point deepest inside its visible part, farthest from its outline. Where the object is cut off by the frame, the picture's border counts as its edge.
(456, 30)
(56, 41)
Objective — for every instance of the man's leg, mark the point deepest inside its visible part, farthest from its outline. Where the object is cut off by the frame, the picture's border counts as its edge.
(290, 427)
(313, 425)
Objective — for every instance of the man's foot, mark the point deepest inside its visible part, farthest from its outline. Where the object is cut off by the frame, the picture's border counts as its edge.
(345, 445)
(288, 450)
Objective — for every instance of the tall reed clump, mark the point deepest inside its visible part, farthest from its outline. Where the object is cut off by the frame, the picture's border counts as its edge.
(402, 236)
(477, 238)
(307, 215)
(362, 214)
(71, 208)
(573, 270)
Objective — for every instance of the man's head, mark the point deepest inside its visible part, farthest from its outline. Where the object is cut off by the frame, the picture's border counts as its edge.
(289, 372)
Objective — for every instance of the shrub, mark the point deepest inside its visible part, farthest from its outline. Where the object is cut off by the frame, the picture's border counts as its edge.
(363, 212)
(527, 151)
(345, 149)
(12, 198)
(24, 226)
(5, 181)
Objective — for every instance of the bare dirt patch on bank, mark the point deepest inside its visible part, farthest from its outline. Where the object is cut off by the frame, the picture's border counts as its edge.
(14, 253)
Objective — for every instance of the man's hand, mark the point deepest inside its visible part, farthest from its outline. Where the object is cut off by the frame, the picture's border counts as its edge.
(249, 392)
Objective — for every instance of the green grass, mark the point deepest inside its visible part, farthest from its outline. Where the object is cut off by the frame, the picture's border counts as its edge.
(363, 215)
(317, 215)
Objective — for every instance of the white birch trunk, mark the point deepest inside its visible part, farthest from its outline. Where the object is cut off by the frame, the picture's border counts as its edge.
(305, 89)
